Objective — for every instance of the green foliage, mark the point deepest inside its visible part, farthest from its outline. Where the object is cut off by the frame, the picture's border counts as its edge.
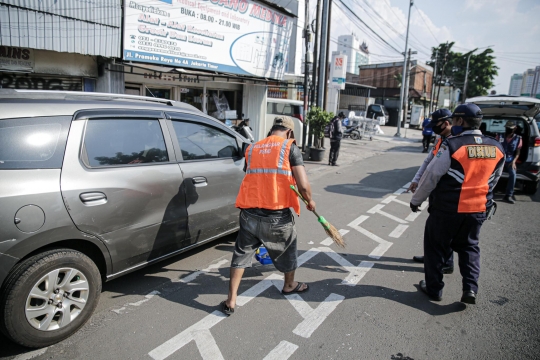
(317, 119)
(398, 78)
(451, 67)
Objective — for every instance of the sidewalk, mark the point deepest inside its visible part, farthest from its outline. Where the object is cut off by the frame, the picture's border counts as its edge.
(352, 151)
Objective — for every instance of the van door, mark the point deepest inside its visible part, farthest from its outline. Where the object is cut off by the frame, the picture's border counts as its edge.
(213, 171)
(120, 181)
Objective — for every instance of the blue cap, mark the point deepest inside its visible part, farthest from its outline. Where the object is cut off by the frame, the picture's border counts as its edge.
(468, 110)
(437, 116)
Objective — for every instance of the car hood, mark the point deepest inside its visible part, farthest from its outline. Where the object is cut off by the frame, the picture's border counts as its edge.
(507, 105)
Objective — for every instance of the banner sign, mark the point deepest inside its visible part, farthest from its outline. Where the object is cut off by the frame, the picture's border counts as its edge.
(232, 36)
(338, 71)
(16, 59)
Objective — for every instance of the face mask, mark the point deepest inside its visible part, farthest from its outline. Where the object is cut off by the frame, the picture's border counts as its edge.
(437, 129)
(508, 131)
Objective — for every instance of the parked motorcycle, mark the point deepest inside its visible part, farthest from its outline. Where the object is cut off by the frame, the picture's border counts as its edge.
(353, 132)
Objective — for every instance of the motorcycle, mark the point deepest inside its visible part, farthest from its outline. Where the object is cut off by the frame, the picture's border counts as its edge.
(352, 132)
(244, 129)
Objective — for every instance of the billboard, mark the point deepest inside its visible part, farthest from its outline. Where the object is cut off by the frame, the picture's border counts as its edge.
(338, 71)
(241, 37)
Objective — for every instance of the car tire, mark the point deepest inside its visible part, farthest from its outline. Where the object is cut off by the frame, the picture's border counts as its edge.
(78, 282)
(530, 187)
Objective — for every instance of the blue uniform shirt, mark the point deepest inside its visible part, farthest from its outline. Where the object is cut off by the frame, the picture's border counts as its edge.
(424, 130)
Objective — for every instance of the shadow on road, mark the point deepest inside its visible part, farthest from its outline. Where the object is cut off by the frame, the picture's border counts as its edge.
(375, 185)
(406, 148)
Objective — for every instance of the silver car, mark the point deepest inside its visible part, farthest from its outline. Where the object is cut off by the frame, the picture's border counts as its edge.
(93, 186)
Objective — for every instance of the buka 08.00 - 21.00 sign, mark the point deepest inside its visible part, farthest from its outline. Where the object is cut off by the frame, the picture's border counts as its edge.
(232, 36)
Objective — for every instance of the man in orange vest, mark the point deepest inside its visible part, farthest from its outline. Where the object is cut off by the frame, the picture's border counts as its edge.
(460, 182)
(265, 199)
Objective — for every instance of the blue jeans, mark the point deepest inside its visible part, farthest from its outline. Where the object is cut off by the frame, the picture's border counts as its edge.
(511, 179)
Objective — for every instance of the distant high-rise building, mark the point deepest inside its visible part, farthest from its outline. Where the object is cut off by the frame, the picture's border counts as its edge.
(535, 89)
(528, 81)
(357, 54)
(515, 84)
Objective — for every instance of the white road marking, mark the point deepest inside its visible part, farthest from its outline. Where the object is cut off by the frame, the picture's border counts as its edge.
(318, 315)
(210, 268)
(398, 231)
(307, 256)
(377, 210)
(295, 299)
(282, 351)
(328, 241)
(147, 297)
(412, 216)
(356, 273)
(399, 191)
(383, 244)
(394, 199)
(406, 186)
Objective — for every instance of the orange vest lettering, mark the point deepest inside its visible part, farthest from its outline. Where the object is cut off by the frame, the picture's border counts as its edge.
(268, 177)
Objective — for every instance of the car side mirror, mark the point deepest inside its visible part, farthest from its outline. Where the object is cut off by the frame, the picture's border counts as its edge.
(244, 148)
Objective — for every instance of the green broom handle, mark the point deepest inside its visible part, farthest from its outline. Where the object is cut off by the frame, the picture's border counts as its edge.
(304, 200)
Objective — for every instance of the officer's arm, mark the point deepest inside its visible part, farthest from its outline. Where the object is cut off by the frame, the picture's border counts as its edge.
(423, 167)
(435, 170)
(302, 183)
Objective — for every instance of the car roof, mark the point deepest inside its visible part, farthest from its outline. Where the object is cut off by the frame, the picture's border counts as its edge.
(507, 105)
(56, 103)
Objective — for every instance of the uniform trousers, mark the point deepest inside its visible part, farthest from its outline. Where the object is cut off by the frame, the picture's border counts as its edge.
(448, 232)
(334, 151)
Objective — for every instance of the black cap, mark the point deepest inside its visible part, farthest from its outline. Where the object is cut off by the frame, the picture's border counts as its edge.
(468, 110)
(437, 116)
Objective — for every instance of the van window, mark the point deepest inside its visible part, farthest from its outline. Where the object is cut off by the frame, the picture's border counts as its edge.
(124, 142)
(33, 143)
(496, 127)
(198, 141)
(284, 109)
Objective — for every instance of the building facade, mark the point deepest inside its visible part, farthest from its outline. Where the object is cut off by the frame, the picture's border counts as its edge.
(516, 81)
(357, 53)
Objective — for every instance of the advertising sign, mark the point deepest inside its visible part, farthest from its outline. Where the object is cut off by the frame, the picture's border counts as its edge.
(338, 71)
(233, 36)
(16, 59)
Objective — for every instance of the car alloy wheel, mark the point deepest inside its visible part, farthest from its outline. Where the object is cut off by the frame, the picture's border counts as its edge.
(57, 299)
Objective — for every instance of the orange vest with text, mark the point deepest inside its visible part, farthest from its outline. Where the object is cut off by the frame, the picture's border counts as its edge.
(268, 177)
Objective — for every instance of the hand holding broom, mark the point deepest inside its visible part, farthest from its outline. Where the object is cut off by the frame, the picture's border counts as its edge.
(329, 228)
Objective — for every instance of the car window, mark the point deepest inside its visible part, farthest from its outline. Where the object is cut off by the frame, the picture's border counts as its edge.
(496, 127)
(33, 143)
(198, 141)
(124, 142)
(376, 108)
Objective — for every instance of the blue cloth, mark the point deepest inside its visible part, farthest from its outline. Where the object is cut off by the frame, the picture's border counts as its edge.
(510, 148)
(426, 130)
(511, 179)
(346, 121)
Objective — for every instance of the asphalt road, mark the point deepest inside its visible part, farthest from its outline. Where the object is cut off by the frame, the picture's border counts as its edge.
(363, 301)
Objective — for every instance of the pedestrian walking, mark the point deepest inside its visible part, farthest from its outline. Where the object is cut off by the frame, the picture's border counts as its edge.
(336, 134)
(512, 144)
(427, 133)
(460, 180)
(265, 198)
(441, 124)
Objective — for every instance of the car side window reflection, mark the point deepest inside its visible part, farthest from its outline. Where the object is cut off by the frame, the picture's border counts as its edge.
(198, 142)
(124, 142)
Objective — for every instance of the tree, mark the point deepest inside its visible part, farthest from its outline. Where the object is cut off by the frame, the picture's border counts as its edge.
(451, 68)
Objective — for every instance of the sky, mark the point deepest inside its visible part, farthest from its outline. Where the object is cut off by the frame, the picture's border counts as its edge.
(510, 27)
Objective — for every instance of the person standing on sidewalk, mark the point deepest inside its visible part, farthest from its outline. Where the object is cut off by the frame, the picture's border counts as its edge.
(336, 134)
(441, 125)
(265, 199)
(460, 181)
(427, 132)
(512, 144)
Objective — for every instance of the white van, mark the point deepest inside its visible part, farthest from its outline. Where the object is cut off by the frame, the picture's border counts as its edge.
(292, 108)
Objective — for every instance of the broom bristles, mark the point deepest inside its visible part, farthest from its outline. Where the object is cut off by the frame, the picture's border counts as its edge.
(334, 234)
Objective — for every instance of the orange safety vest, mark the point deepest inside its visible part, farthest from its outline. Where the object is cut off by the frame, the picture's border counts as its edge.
(437, 146)
(268, 177)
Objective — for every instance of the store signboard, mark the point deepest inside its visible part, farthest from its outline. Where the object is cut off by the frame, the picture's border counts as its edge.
(16, 59)
(338, 71)
(232, 36)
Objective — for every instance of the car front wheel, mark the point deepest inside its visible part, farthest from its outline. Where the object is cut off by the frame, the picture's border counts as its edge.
(48, 297)
(530, 187)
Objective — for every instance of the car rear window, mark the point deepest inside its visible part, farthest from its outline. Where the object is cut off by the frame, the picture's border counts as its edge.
(496, 127)
(33, 143)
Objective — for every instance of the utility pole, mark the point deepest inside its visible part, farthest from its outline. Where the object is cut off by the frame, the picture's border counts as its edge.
(314, 76)
(322, 59)
(406, 80)
(442, 71)
(466, 76)
(327, 60)
(402, 92)
(307, 61)
(433, 82)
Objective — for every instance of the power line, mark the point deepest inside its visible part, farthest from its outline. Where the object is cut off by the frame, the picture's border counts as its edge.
(425, 22)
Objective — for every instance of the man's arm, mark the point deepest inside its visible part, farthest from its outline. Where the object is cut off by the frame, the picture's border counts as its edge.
(435, 170)
(303, 185)
(518, 151)
(420, 172)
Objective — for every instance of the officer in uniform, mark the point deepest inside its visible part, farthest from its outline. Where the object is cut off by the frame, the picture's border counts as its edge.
(460, 180)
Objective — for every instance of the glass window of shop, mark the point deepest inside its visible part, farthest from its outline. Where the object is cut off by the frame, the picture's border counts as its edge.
(224, 105)
(159, 93)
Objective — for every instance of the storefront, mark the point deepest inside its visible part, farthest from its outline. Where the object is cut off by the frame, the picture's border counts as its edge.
(30, 69)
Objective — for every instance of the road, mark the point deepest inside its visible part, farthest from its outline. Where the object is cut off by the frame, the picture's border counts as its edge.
(363, 302)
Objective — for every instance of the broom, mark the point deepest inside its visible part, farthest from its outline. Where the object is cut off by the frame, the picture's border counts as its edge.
(329, 228)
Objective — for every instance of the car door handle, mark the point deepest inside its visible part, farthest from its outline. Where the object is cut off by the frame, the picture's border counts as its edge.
(93, 198)
(199, 181)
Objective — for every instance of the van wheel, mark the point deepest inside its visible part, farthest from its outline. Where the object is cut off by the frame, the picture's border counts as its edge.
(530, 187)
(48, 297)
